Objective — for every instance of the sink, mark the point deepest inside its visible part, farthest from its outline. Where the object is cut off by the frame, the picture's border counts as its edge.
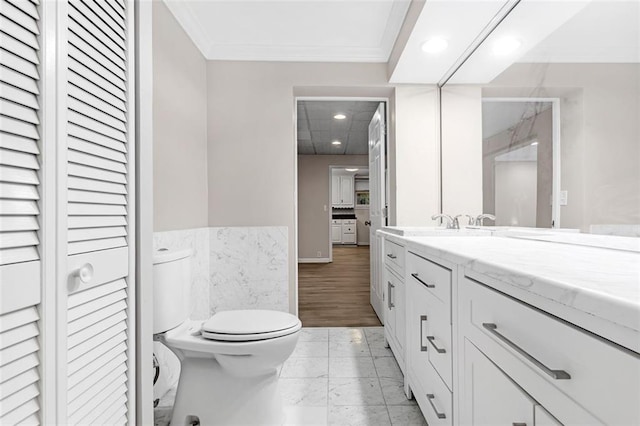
(426, 231)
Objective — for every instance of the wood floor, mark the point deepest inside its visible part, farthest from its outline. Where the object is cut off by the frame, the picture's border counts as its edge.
(336, 294)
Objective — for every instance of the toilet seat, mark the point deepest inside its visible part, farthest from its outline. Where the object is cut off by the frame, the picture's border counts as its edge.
(249, 325)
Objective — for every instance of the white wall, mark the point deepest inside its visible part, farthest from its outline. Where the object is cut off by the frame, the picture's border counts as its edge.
(415, 172)
(179, 126)
(516, 193)
(313, 196)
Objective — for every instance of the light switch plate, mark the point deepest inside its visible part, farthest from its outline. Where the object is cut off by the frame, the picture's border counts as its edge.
(564, 195)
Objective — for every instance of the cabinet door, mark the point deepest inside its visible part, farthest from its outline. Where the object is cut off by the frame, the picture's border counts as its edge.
(335, 191)
(346, 191)
(490, 396)
(100, 214)
(336, 234)
(543, 418)
(389, 306)
(399, 302)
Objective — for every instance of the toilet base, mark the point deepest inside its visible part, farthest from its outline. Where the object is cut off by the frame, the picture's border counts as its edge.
(209, 393)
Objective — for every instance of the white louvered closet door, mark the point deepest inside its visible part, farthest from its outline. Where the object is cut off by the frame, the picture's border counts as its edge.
(20, 263)
(100, 146)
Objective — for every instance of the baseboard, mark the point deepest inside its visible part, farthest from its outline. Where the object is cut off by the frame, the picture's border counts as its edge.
(363, 244)
(314, 260)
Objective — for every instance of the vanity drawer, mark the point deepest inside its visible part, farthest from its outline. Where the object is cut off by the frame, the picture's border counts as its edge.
(433, 397)
(348, 229)
(555, 362)
(435, 278)
(394, 256)
(348, 221)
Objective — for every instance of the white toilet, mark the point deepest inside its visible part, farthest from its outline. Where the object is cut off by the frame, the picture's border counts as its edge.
(229, 363)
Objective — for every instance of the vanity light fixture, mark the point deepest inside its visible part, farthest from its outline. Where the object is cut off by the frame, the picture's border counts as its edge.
(435, 45)
(336, 143)
(351, 170)
(534, 143)
(505, 45)
(339, 116)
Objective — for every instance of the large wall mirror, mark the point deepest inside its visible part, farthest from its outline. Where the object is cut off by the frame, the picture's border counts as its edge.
(543, 119)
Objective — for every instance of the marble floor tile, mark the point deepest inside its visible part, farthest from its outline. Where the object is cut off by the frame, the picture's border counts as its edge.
(313, 334)
(406, 415)
(355, 391)
(341, 334)
(306, 367)
(311, 350)
(393, 392)
(303, 392)
(358, 416)
(296, 415)
(351, 367)
(387, 367)
(347, 348)
(374, 333)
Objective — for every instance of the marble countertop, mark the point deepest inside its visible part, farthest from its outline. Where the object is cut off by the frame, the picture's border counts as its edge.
(563, 273)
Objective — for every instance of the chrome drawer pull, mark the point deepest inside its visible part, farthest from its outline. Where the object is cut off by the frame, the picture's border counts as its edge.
(439, 350)
(518, 424)
(430, 398)
(556, 374)
(423, 318)
(391, 256)
(390, 304)
(415, 275)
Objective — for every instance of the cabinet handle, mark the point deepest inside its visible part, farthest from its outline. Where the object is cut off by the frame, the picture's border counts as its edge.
(415, 275)
(430, 398)
(391, 256)
(518, 424)
(423, 348)
(389, 302)
(439, 350)
(556, 374)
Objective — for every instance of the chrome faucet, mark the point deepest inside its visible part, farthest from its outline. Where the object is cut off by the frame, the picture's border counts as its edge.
(470, 219)
(452, 222)
(481, 217)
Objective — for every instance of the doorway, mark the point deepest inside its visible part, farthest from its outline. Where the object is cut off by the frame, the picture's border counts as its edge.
(334, 269)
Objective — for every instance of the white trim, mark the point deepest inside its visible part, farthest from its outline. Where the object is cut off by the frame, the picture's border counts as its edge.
(131, 212)
(314, 260)
(144, 210)
(556, 183)
(363, 244)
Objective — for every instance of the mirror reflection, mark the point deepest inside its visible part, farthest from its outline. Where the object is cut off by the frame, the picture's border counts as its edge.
(574, 62)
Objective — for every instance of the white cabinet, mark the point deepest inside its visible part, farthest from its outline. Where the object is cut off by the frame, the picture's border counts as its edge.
(495, 398)
(342, 192)
(336, 231)
(394, 299)
(349, 231)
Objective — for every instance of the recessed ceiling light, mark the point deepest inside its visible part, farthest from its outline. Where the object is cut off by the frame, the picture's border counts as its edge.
(505, 45)
(336, 143)
(339, 116)
(434, 45)
(351, 170)
(534, 143)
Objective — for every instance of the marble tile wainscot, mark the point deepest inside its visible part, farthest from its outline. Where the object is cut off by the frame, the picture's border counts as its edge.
(541, 324)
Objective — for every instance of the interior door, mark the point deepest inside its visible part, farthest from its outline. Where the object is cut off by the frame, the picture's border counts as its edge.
(377, 208)
(99, 137)
(20, 219)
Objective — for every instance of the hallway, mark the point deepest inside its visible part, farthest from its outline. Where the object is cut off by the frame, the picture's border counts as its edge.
(337, 294)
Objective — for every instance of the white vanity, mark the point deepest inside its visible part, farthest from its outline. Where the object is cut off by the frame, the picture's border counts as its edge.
(521, 328)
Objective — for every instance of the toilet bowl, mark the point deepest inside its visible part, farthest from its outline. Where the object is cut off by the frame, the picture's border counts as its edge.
(229, 363)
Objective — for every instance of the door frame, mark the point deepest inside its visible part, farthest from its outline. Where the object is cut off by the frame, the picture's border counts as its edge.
(555, 147)
(296, 99)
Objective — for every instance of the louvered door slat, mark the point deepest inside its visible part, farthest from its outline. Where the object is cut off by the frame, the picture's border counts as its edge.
(84, 376)
(19, 350)
(18, 239)
(19, 223)
(95, 137)
(18, 32)
(11, 386)
(19, 64)
(88, 357)
(17, 127)
(20, 414)
(21, 18)
(17, 79)
(96, 310)
(77, 209)
(18, 334)
(18, 143)
(89, 197)
(18, 255)
(78, 44)
(118, 418)
(96, 126)
(97, 15)
(14, 46)
(94, 23)
(96, 174)
(19, 398)
(18, 175)
(98, 79)
(106, 372)
(86, 346)
(26, 7)
(18, 191)
(89, 111)
(97, 393)
(93, 89)
(18, 207)
(99, 151)
(101, 48)
(19, 159)
(113, 76)
(112, 402)
(94, 293)
(18, 96)
(77, 222)
(115, 18)
(114, 408)
(90, 184)
(81, 158)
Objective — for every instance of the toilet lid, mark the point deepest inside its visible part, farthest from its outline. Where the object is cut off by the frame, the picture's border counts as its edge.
(249, 325)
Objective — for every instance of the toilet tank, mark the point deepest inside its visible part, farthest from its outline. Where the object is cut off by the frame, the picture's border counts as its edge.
(171, 288)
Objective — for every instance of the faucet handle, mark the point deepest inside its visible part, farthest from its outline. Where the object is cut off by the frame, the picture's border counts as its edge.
(483, 216)
(450, 221)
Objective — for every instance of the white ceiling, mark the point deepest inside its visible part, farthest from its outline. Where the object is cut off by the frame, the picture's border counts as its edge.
(317, 128)
(292, 30)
